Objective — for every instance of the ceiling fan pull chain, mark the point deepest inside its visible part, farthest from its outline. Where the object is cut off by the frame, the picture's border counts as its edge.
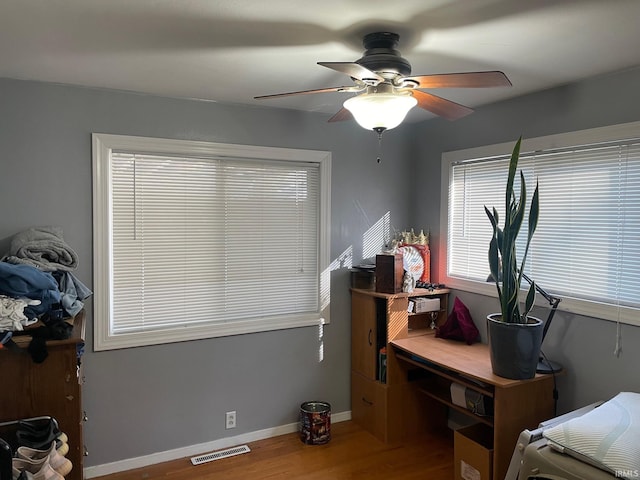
(379, 159)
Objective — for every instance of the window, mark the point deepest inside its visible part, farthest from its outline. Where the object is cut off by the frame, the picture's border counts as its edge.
(587, 245)
(196, 240)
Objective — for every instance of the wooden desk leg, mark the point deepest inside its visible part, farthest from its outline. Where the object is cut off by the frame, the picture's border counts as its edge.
(517, 408)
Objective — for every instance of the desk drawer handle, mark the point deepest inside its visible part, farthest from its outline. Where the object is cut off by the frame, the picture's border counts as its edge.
(367, 401)
(370, 342)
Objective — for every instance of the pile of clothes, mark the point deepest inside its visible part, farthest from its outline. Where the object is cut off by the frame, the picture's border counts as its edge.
(37, 285)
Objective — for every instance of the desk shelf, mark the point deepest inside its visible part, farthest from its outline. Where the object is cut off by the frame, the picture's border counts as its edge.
(437, 385)
(485, 390)
(442, 394)
(420, 324)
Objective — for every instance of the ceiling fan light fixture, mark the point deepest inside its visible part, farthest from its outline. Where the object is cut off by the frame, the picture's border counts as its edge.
(380, 111)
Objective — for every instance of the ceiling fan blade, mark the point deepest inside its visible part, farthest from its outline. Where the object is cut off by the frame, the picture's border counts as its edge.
(343, 114)
(354, 70)
(462, 80)
(305, 92)
(440, 106)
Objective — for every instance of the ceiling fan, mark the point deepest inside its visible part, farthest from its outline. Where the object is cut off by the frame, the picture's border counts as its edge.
(387, 91)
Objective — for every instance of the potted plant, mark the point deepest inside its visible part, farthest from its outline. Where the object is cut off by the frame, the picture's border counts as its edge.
(514, 336)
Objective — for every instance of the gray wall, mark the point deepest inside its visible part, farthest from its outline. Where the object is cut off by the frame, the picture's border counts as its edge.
(583, 345)
(151, 399)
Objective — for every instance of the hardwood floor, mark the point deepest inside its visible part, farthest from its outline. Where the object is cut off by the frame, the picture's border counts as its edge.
(353, 453)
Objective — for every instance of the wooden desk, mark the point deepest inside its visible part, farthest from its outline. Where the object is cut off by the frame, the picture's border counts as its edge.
(517, 404)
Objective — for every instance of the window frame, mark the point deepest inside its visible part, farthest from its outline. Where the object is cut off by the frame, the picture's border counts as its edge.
(103, 145)
(597, 135)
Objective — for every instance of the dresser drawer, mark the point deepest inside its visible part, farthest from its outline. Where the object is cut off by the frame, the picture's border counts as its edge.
(369, 405)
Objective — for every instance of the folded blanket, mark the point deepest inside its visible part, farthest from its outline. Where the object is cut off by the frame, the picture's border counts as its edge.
(42, 247)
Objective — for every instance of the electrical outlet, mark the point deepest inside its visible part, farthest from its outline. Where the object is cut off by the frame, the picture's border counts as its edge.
(230, 419)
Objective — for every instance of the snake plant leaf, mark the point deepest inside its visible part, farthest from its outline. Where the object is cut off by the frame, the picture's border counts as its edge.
(531, 298)
(534, 212)
(493, 218)
(512, 308)
(518, 214)
(497, 231)
(513, 165)
(494, 262)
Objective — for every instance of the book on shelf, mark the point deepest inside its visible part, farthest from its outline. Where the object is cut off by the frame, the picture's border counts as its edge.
(382, 365)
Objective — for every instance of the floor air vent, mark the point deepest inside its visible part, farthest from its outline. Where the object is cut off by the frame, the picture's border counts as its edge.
(229, 452)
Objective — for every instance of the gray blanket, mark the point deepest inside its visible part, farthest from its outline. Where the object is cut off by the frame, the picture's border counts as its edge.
(42, 247)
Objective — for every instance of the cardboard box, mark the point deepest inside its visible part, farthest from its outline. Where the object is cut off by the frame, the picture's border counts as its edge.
(473, 452)
(389, 273)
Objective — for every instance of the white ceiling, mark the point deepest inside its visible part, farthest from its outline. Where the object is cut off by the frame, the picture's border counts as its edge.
(233, 50)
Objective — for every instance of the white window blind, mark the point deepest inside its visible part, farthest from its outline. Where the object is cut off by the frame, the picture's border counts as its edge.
(205, 241)
(587, 244)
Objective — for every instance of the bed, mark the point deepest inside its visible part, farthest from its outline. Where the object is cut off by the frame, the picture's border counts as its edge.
(598, 442)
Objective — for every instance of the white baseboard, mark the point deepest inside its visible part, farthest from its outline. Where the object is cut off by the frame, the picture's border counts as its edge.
(192, 450)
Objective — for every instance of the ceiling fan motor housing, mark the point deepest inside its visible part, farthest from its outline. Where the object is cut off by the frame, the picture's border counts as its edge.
(380, 55)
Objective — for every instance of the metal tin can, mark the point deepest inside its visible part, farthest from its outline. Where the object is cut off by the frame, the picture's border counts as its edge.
(315, 423)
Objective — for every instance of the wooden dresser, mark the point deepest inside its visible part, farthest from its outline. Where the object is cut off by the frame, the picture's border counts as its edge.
(51, 388)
